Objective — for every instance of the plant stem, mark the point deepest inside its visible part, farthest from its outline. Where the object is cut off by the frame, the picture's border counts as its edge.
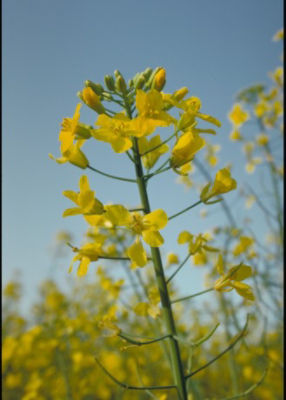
(177, 367)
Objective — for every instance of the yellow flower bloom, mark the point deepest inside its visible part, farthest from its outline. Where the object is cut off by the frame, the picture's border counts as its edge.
(191, 107)
(260, 109)
(223, 183)
(243, 245)
(85, 199)
(152, 157)
(73, 155)
(232, 279)
(186, 147)
(197, 244)
(117, 131)
(151, 115)
(279, 35)
(147, 226)
(172, 258)
(86, 254)
(71, 129)
(262, 139)
(237, 115)
(235, 135)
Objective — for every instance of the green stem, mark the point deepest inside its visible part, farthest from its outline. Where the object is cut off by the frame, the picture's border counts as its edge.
(191, 296)
(167, 314)
(161, 144)
(179, 268)
(111, 176)
(185, 209)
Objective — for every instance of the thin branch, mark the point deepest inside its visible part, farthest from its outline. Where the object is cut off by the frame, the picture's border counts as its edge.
(111, 176)
(138, 343)
(249, 390)
(130, 156)
(126, 386)
(185, 209)
(161, 144)
(179, 268)
(191, 296)
(242, 333)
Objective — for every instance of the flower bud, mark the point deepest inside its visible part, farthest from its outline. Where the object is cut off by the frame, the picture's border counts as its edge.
(109, 82)
(140, 83)
(76, 157)
(117, 73)
(120, 84)
(91, 99)
(181, 93)
(147, 72)
(151, 78)
(159, 80)
(96, 87)
(130, 83)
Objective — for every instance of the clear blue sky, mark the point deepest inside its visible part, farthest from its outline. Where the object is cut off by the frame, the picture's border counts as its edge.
(51, 47)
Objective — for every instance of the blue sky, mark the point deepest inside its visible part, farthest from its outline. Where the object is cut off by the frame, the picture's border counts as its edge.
(50, 48)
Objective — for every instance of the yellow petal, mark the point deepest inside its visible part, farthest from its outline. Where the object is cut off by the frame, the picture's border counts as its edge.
(243, 290)
(70, 194)
(153, 238)
(156, 219)
(83, 266)
(184, 237)
(72, 211)
(118, 214)
(243, 272)
(84, 184)
(137, 254)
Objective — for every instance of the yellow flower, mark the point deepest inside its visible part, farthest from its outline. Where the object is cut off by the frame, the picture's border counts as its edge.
(200, 258)
(186, 147)
(237, 115)
(191, 107)
(262, 139)
(86, 254)
(260, 109)
(117, 131)
(232, 279)
(243, 245)
(92, 100)
(73, 155)
(235, 135)
(172, 258)
(277, 76)
(85, 199)
(196, 243)
(147, 226)
(150, 109)
(279, 35)
(145, 145)
(223, 183)
(71, 130)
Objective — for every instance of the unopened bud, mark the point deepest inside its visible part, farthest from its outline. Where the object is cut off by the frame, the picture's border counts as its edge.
(109, 82)
(181, 93)
(152, 76)
(117, 73)
(96, 87)
(147, 72)
(140, 83)
(91, 99)
(130, 83)
(159, 80)
(120, 84)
